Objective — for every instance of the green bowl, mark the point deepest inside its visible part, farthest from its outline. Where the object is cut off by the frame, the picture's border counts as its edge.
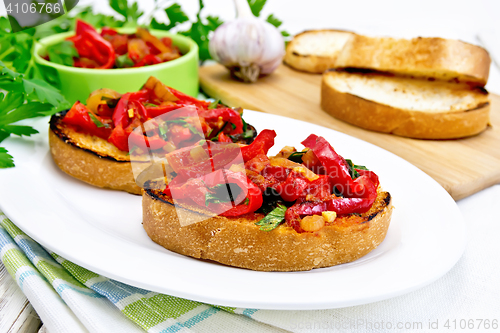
(77, 83)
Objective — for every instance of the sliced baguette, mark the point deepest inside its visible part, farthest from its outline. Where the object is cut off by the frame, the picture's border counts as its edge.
(403, 106)
(316, 51)
(92, 159)
(438, 58)
(239, 242)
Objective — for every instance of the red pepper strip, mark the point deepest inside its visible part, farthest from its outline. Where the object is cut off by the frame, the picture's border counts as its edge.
(319, 188)
(178, 134)
(227, 115)
(335, 166)
(217, 156)
(121, 116)
(154, 142)
(195, 189)
(85, 63)
(167, 41)
(81, 26)
(90, 44)
(293, 187)
(370, 174)
(120, 44)
(261, 145)
(344, 205)
(149, 59)
(79, 117)
(310, 141)
(108, 31)
(186, 99)
(258, 163)
(155, 111)
(339, 205)
(254, 196)
(223, 138)
(119, 137)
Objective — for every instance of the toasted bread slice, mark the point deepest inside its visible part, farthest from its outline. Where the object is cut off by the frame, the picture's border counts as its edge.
(316, 51)
(239, 242)
(438, 58)
(92, 159)
(404, 106)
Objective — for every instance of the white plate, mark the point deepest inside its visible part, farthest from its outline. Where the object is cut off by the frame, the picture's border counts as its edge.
(101, 230)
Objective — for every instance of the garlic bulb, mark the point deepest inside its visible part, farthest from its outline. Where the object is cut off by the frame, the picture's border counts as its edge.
(247, 46)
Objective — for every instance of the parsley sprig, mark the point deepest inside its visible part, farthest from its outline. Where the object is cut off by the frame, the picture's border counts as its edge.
(29, 91)
(23, 98)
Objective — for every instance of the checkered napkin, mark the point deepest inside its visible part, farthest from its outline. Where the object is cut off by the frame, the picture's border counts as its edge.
(69, 298)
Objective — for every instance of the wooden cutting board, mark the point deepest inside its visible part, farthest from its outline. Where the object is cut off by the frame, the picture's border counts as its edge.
(462, 167)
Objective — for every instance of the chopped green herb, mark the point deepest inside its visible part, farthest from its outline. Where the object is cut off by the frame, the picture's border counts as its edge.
(273, 219)
(111, 102)
(214, 104)
(246, 202)
(182, 121)
(124, 61)
(215, 138)
(352, 169)
(131, 150)
(296, 156)
(96, 121)
(218, 194)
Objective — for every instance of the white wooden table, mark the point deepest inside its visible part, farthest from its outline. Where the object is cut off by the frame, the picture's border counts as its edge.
(16, 313)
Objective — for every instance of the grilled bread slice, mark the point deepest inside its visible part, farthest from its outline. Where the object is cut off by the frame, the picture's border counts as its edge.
(437, 58)
(404, 106)
(316, 51)
(92, 159)
(239, 242)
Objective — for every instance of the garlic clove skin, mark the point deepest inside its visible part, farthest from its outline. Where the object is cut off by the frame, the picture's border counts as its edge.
(248, 47)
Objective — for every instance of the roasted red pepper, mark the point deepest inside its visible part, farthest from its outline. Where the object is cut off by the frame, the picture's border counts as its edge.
(149, 59)
(261, 145)
(188, 100)
(246, 194)
(79, 116)
(90, 44)
(230, 117)
(130, 101)
(152, 141)
(81, 26)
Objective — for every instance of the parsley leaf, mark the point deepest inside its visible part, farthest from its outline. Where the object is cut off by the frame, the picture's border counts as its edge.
(175, 16)
(63, 53)
(273, 219)
(256, 6)
(274, 20)
(6, 160)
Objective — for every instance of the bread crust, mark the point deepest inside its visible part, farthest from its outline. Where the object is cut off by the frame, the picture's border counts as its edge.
(442, 59)
(310, 63)
(72, 152)
(414, 124)
(239, 242)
